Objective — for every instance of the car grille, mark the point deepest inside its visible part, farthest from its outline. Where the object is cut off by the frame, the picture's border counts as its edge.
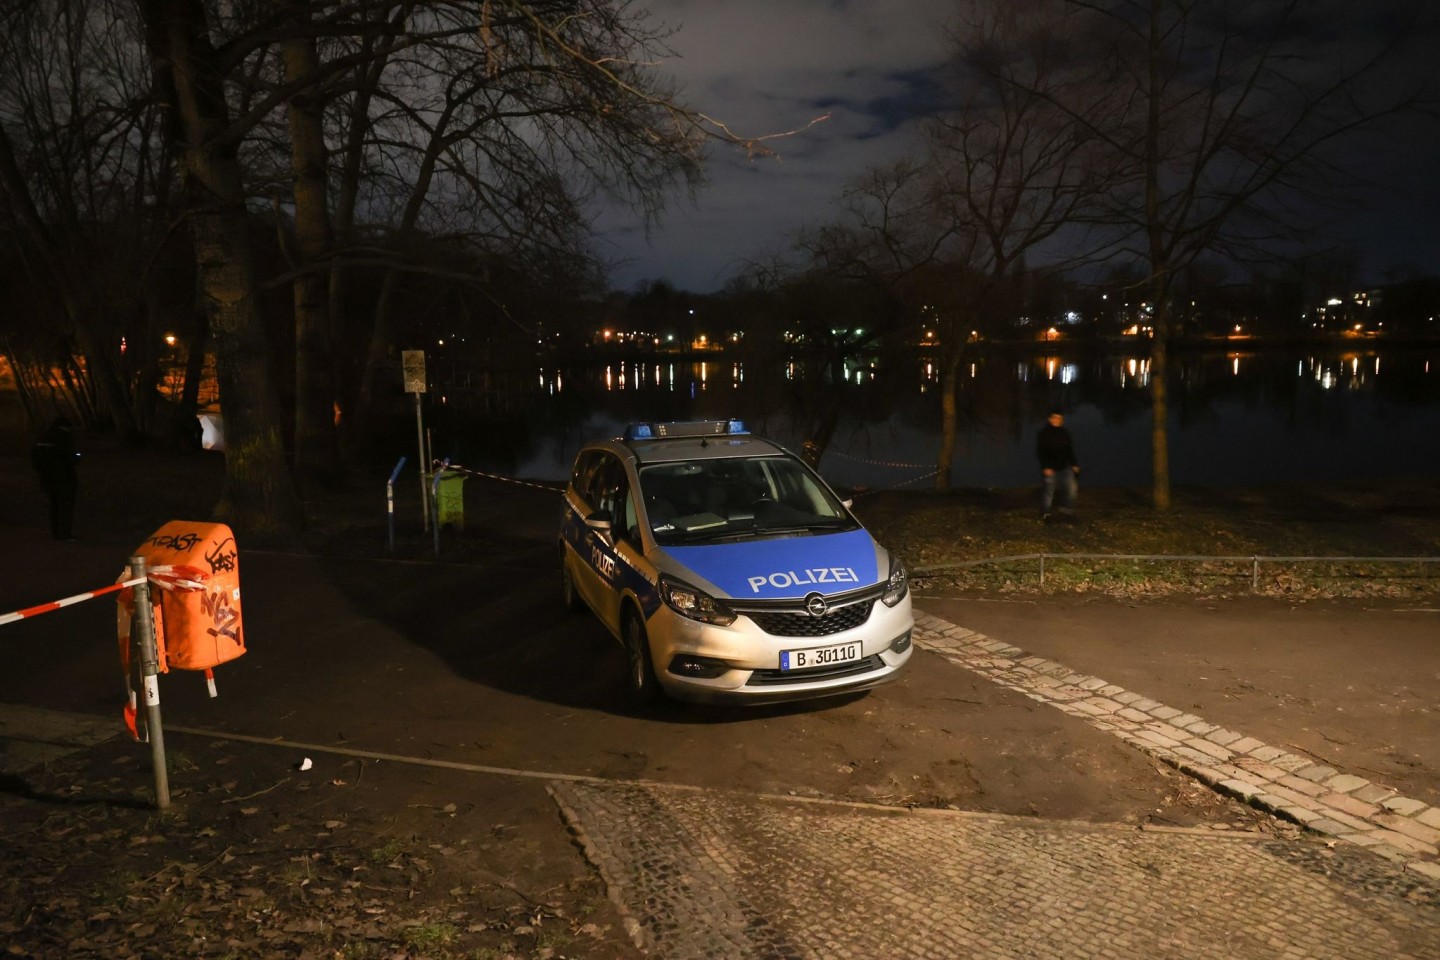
(790, 619)
(803, 625)
(771, 678)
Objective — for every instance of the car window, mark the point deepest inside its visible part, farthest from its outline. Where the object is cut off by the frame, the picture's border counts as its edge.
(735, 497)
(582, 477)
(609, 488)
(629, 526)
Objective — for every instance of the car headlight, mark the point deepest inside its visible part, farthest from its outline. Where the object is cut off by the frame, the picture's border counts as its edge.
(899, 583)
(695, 604)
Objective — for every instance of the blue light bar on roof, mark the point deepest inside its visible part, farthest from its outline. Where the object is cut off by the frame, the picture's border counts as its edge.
(684, 428)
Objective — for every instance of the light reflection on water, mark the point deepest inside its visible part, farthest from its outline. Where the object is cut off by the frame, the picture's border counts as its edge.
(1237, 416)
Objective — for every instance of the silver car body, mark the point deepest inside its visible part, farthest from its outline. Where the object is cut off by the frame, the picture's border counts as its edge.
(752, 580)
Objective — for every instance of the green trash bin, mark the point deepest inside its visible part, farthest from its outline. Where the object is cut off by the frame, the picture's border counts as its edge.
(450, 500)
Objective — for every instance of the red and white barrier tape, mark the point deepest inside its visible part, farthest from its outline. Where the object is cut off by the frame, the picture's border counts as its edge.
(557, 487)
(78, 598)
(176, 578)
(167, 578)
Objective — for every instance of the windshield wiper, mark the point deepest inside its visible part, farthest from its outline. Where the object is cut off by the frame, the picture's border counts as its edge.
(803, 526)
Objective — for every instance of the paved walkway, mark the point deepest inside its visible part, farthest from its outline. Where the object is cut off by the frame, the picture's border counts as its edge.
(1330, 801)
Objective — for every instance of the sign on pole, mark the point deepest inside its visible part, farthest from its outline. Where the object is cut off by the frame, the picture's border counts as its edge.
(413, 362)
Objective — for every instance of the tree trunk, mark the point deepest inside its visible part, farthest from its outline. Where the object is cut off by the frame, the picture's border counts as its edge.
(1159, 276)
(1159, 420)
(316, 453)
(258, 498)
(949, 417)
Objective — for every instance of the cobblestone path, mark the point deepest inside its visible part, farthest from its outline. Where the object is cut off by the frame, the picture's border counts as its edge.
(705, 874)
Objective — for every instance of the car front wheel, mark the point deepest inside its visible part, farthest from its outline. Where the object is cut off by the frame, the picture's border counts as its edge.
(640, 670)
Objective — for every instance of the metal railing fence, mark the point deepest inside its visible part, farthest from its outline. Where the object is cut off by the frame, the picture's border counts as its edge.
(1254, 561)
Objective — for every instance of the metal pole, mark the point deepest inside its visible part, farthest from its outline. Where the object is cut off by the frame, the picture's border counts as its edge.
(149, 676)
(1254, 574)
(440, 472)
(390, 512)
(420, 439)
(390, 500)
(1042, 569)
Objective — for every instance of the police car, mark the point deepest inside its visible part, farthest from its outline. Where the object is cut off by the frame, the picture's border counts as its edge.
(728, 570)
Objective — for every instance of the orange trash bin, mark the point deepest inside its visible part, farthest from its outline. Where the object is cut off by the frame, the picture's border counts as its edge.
(193, 568)
(195, 571)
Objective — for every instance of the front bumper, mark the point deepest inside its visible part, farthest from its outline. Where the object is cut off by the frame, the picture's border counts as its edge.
(747, 658)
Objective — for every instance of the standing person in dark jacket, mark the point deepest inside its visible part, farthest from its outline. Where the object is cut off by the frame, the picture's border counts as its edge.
(54, 458)
(1058, 468)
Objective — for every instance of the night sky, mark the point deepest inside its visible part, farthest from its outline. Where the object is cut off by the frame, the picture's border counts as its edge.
(768, 66)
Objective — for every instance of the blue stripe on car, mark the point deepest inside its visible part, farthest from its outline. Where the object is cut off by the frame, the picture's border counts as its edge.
(786, 568)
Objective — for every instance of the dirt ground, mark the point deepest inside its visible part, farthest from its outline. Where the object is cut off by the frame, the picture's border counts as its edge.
(351, 858)
(364, 858)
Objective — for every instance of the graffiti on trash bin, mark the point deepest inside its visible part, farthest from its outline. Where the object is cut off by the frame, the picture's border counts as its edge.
(219, 560)
(225, 617)
(184, 542)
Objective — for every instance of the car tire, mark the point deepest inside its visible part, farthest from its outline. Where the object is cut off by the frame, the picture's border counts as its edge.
(640, 680)
(568, 594)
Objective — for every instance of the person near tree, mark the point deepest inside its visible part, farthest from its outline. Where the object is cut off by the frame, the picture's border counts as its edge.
(54, 458)
(1059, 470)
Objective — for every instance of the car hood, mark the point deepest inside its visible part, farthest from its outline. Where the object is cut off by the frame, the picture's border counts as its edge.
(783, 568)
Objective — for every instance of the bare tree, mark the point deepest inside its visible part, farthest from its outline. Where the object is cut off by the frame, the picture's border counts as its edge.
(1011, 168)
(484, 123)
(1005, 171)
(475, 128)
(893, 241)
(502, 129)
(1231, 130)
(84, 185)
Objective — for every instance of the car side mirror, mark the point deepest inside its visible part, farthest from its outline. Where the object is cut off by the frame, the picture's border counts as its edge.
(848, 504)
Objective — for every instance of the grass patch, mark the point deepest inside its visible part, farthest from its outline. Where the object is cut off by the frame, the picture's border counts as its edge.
(388, 852)
(431, 936)
(991, 541)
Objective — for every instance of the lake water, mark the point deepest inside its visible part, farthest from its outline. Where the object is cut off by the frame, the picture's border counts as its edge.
(1238, 417)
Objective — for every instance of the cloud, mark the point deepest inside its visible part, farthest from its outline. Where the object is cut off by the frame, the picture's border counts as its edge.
(765, 67)
(768, 66)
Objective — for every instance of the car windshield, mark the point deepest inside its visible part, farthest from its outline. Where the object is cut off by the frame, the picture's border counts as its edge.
(737, 497)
